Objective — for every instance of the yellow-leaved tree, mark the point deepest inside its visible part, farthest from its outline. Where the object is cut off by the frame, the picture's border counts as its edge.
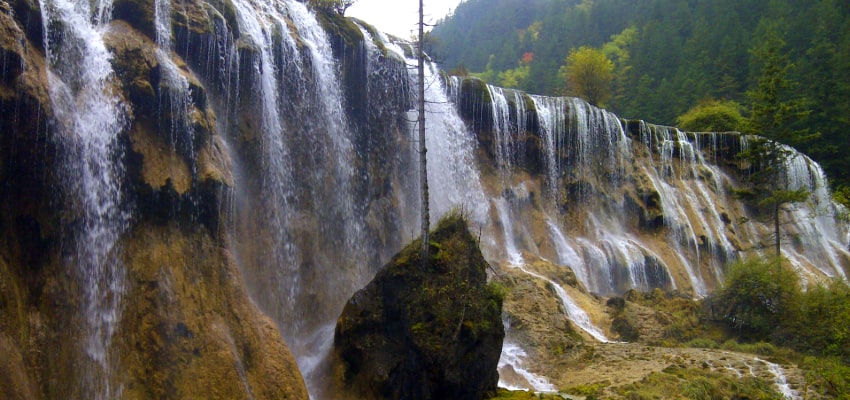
(589, 74)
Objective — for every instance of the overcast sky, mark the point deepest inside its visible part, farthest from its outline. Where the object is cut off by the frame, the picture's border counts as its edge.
(399, 17)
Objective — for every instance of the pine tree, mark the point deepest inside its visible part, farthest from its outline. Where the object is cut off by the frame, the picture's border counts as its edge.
(774, 117)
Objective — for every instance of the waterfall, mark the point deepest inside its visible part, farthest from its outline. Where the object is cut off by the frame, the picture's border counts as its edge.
(818, 236)
(571, 310)
(780, 380)
(512, 374)
(453, 176)
(553, 120)
(318, 127)
(89, 119)
(174, 98)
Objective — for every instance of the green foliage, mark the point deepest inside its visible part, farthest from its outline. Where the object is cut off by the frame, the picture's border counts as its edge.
(669, 55)
(589, 391)
(758, 298)
(701, 343)
(504, 394)
(761, 301)
(764, 349)
(841, 195)
(687, 383)
(589, 74)
(712, 116)
(831, 374)
(338, 6)
(775, 107)
(823, 326)
(626, 328)
(514, 78)
(679, 315)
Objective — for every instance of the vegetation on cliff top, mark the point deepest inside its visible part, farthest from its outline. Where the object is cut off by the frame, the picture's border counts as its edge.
(669, 55)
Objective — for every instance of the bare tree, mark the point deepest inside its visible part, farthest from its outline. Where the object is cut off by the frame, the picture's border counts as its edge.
(423, 161)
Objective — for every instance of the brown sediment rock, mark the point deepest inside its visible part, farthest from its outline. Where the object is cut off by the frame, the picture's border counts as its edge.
(187, 328)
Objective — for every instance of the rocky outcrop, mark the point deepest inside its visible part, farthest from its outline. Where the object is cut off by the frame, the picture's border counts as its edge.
(186, 327)
(419, 332)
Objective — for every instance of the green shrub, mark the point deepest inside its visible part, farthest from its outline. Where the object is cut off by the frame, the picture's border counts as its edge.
(690, 383)
(702, 343)
(823, 326)
(712, 116)
(830, 374)
(759, 299)
(626, 328)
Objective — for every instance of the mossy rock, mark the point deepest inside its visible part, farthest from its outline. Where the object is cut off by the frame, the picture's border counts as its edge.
(135, 65)
(191, 330)
(343, 30)
(138, 13)
(432, 331)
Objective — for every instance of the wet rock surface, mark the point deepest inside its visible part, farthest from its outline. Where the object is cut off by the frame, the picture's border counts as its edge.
(424, 333)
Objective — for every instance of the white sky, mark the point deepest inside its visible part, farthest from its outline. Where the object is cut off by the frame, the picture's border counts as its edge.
(399, 17)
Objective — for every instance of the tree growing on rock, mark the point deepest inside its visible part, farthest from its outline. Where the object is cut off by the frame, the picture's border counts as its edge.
(775, 116)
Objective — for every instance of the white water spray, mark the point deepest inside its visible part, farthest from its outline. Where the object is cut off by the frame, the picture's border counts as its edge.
(89, 118)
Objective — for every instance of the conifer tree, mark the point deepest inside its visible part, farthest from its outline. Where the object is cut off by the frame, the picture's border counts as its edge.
(775, 117)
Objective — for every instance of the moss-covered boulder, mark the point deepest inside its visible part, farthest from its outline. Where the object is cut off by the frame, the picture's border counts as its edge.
(431, 332)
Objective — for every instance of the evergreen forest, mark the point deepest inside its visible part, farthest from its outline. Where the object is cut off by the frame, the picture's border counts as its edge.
(777, 68)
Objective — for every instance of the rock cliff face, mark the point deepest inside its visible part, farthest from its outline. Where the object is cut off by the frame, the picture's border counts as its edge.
(419, 332)
(183, 325)
(186, 184)
(627, 204)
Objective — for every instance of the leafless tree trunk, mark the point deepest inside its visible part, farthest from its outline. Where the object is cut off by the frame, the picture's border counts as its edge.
(423, 171)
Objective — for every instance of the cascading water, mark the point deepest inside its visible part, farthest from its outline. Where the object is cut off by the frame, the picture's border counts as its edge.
(89, 118)
(303, 198)
(599, 180)
(511, 363)
(780, 380)
(817, 235)
(571, 310)
(324, 189)
(583, 144)
(452, 174)
(175, 116)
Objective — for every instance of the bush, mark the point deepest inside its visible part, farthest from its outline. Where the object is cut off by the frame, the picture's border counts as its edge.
(702, 343)
(830, 374)
(689, 383)
(625, 327)
(712, 116)
(760, 298)
(824, 324)
(762, 302)
(338, 6)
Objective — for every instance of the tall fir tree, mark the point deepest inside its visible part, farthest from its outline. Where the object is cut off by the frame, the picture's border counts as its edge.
(775, 118)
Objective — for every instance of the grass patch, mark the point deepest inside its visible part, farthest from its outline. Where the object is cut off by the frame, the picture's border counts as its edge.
(503, 394)
(697, 384)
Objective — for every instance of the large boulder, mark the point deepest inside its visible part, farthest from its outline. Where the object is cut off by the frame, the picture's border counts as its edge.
(432, 332)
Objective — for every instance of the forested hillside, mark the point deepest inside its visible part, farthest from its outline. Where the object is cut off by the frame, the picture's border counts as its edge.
(720, 59)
